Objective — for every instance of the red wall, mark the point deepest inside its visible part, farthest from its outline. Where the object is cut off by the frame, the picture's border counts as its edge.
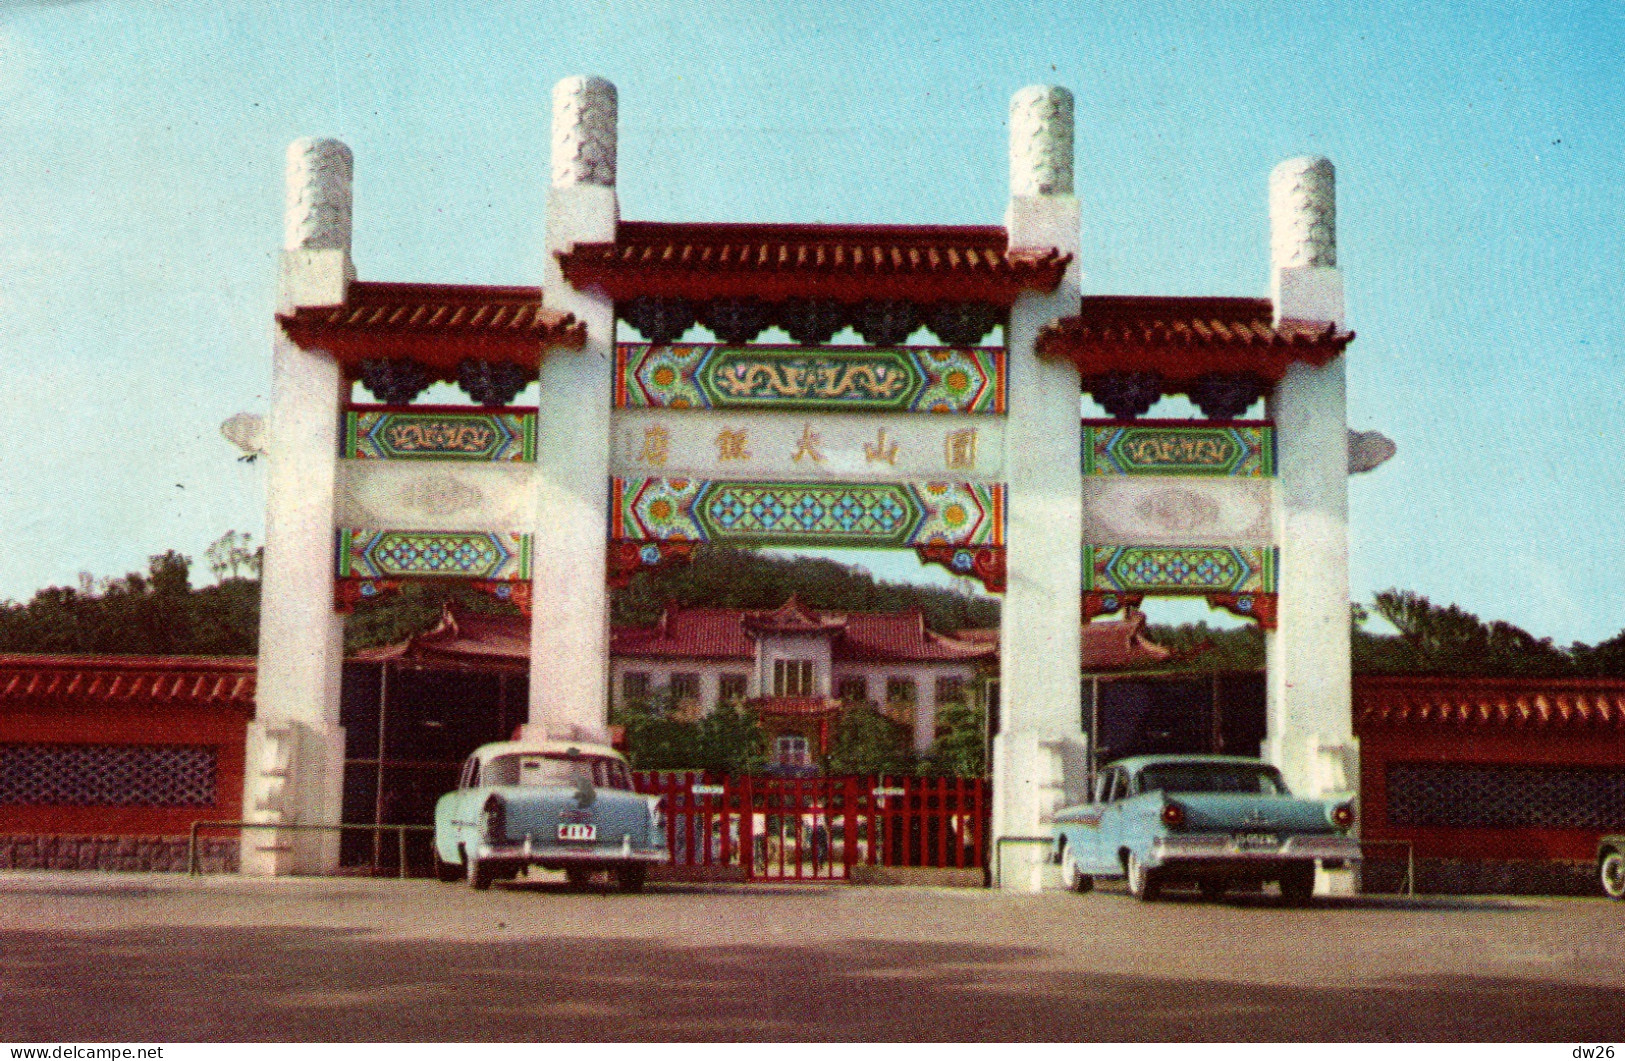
(223, 726)
(1434, 744)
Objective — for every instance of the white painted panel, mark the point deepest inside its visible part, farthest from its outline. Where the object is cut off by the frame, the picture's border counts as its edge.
(1170, 510)
(436, 495)
(713, 444)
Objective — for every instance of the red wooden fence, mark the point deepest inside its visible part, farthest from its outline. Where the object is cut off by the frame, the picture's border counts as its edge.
(818, 828)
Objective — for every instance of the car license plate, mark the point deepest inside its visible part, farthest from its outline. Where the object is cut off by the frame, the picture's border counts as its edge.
(1247, 841)
(578, 832)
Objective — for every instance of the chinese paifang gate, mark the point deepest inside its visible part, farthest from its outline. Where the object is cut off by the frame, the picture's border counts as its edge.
(967, 449)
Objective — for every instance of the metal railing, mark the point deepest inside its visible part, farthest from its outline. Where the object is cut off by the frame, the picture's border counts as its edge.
(194, 867)
(998, 852)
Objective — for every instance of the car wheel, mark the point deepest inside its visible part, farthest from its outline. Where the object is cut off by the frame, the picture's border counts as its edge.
(578, 878)
(1297, 885)
(1144, 883)
(1213, 890)
(446, 872)
(479, 873)
(631, 878)
(1073, 880)
(1613, 874)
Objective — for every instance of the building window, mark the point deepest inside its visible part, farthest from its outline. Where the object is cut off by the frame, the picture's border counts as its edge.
(791, 750)
(634, 687)
(899, 690)
(793, 677)
(950, 689)
(732, 689)
(685, 688)
(853, 690)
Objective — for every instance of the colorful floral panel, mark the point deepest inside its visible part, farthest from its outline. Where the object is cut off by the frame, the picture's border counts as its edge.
(813, 514)
(1244, 450)
(458, 436)
(1179, 570)
(822, 379)
(386, 554)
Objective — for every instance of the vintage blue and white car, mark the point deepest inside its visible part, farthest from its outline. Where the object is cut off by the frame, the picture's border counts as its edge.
(1215, 821)
(555, 804)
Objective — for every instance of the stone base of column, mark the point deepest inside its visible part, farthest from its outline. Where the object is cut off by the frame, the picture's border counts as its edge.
(294, 774)
(1034, 775)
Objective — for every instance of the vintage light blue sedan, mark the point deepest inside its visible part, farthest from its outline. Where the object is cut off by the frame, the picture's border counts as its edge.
(1215, 821)
(554, 804)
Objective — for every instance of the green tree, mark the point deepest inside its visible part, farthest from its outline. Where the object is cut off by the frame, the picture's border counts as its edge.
(1451, 640)
(731, 742)
(867, 742)
(960, 749)
(655, 738)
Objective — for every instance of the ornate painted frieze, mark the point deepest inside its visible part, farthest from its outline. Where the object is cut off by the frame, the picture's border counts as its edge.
(392, 554)
(438, 435)
(1239, 450)
(828, 379)
(835, 447)
(1140, 569)
(814, 514)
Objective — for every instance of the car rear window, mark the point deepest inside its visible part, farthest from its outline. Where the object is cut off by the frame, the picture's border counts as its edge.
(535, 768)
(1212, 777)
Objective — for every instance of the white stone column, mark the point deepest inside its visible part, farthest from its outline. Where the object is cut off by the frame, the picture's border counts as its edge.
(1038, 756)
(925, 709)
(295, 756)
(1310, 729)
(569, 655)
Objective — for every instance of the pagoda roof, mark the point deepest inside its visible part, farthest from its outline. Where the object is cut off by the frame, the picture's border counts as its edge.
(845, 263)
(1183, 339)
(437, 325)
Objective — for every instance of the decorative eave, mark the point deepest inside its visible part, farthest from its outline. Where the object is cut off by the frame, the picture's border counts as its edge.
(839, 263)
(1183, 340)
(438, 326)
(139, 681)
(1489, 704)
(791, 617)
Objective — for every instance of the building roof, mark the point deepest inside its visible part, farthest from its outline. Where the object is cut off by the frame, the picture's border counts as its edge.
(1467, 703)
(437, 325)
(462, 640)
(144, 680)
(1106, 644)
(1186, 338)
(729, 633)
(846, 263)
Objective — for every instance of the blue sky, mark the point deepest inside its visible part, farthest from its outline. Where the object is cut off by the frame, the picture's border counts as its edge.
(1480, 228)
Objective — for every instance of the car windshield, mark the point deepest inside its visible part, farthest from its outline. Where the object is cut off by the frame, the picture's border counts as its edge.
(535, 768)
(1212, 777)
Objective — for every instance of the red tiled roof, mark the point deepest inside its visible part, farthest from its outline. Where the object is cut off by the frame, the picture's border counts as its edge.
(462, 639)
(1106, 644)
(1185, 338)
(438, 325)
(846, 263)
(797, 706)
(724, 633)
(1462, 702)
(129, 679)
(792, 617)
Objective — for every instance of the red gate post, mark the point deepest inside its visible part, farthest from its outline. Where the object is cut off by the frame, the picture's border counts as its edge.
(728, 793)
(747, 828)
(849, 848)
(674, 816)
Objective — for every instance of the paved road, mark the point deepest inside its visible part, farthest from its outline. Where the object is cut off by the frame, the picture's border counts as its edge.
(159, 958)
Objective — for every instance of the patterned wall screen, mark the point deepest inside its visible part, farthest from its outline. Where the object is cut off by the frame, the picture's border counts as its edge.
(826, 379)
(107, 775)
(1547, 797)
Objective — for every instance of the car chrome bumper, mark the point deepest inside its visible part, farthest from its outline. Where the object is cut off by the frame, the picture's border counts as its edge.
(1165, 849)
(573, 852)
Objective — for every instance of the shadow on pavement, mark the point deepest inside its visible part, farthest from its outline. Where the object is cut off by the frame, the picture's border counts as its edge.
(317, 984)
